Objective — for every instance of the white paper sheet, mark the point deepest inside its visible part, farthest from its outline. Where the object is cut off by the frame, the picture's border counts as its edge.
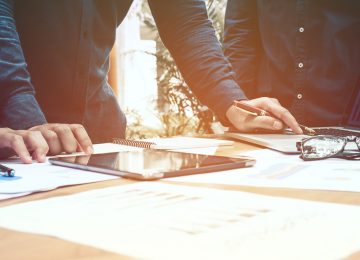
(44, 176)
(273, 169)
(12, 195)
(164, 221)
(36, 177)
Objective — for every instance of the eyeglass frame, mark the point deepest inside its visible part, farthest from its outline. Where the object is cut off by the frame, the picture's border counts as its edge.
(351, 138)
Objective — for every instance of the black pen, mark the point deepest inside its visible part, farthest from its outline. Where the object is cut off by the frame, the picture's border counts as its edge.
(6, 171)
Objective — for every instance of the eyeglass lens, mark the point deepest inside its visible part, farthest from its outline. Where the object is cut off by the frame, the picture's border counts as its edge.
(322, 147)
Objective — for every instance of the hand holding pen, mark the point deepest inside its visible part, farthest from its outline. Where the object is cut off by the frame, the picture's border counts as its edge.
(261, 112)
(267, 114)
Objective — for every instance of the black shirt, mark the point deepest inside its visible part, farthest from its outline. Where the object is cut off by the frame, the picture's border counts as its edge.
(304, 53)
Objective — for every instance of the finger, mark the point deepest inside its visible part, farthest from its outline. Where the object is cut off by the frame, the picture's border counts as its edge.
(276, 101)
(38, 128)
(16, 143)
(82, 138)
(265, 122)
(53, 141)
(69, 159)
(45, 127)
(78, 148)
(50, 136)
(66, 137)
(278, 111)
(4, 130)
(36, 143)
(285, 116)
(83, 160)
(247, 122)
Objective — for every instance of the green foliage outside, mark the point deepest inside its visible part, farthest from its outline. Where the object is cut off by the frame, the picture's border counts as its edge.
(180, 112)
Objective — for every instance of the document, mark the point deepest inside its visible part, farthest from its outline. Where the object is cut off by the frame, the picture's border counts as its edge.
(30, 178)
(42, 177)
(165, 221)
(273, 169)
(12, 195)
(37, 177)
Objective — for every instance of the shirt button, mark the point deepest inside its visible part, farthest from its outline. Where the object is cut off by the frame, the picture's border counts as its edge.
(299, 96)
(301, 65)
(301, 29)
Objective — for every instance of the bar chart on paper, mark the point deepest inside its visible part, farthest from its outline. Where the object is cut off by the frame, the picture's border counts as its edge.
(188, 218)
(162, 221)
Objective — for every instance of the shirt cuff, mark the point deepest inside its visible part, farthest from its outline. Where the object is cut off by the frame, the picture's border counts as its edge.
(222, 97)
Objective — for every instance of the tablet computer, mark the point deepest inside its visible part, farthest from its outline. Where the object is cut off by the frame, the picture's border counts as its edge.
(149, 164)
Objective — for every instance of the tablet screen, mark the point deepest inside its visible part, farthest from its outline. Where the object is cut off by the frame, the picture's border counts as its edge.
(152, 164)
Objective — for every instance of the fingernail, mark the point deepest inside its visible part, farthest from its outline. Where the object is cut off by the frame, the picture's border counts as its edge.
(89, 150)
(28, 158)
(277, 125)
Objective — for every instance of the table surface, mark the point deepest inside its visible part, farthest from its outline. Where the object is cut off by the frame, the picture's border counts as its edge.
(45, 247)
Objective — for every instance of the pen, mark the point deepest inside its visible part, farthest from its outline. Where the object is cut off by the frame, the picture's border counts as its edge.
(261, 112)
(6, 171)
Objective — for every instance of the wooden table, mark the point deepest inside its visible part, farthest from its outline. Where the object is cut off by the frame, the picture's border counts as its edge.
(18, 245)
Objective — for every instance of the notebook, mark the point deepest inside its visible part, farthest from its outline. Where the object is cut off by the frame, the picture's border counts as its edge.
(173, 143)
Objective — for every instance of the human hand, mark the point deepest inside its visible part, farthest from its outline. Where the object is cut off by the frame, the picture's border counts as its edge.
(67, 138)
(24, 143)
(82, 160)
(246, 122)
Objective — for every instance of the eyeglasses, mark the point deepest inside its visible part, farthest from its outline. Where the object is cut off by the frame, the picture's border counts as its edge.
(326, 146)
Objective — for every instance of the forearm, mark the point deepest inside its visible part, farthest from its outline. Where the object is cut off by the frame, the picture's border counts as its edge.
(19, 108)
(188, 33)
(21, 111)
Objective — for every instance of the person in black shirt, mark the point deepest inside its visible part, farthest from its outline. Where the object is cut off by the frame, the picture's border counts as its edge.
(306, 54)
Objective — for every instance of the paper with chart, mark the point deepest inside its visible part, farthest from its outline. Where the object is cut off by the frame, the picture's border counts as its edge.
(273, 169)
(165, 221)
